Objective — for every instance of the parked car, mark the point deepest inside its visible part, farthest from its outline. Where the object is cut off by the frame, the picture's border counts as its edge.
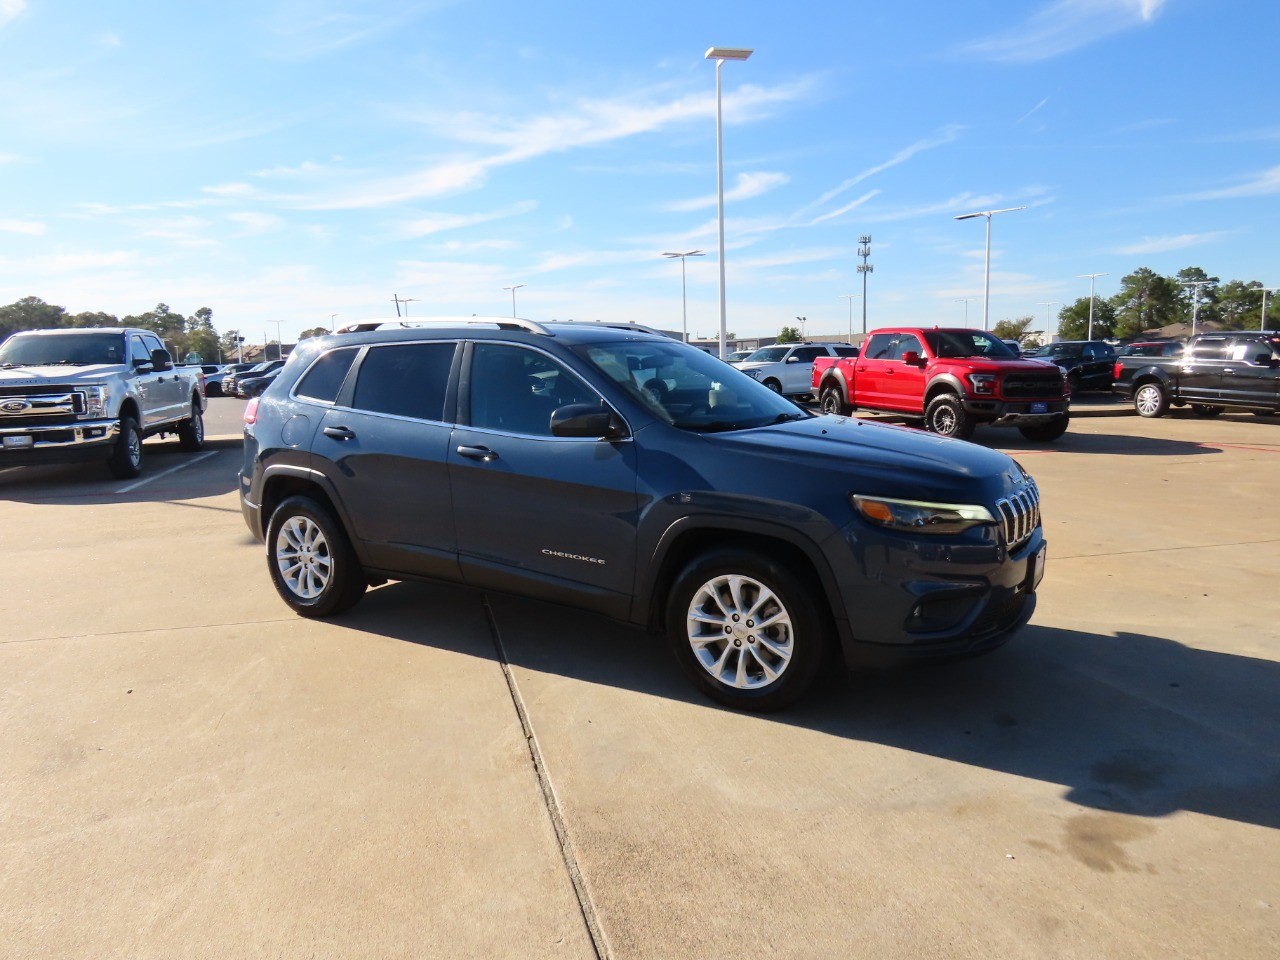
(1014, 346)
(534, 458)
(955, 378)
(1216, 371)
(787, 368)
(1151, 348)
(1087, 363)
(738, 355)
(252, 386)
(212, 374)
(230, 383)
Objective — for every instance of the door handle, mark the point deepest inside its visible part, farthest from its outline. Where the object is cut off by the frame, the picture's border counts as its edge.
(1228, 370)
(340, 433)
(477, 453)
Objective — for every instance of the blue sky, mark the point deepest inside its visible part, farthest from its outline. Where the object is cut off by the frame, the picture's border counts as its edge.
(289, 160)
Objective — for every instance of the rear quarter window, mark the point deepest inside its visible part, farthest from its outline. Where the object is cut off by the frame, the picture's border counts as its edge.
(323, 381)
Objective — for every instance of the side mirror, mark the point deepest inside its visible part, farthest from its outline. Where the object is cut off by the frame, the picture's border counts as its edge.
(161, 361)
(793, 359)
(587, 420)
(911, 358)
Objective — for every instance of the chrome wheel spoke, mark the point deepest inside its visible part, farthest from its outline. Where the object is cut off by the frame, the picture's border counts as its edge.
(726, 639)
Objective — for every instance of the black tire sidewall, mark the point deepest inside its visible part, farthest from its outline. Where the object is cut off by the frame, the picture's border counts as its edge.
(346, 579)
(964, 425)
(808, 621)
(123, 466)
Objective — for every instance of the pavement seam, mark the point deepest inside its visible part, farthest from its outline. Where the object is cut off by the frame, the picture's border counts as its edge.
(1189, 546)
(145, 630)
(552, 802)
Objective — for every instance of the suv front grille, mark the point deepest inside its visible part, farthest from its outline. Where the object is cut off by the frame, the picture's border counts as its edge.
(1020, 386)
(1020, 515)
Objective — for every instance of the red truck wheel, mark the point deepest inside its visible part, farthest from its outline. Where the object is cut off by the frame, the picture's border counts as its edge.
(832, 402)
(946, 417)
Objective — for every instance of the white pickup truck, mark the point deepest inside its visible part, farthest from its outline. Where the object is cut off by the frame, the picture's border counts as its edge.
(73, 395)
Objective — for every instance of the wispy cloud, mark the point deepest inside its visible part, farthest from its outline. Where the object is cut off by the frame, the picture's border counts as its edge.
(1026, 115)
(32, 228)
(852, 205)
(254, 222)
(1063, 26)
(1262, 184)
(10, 9)
(229, 190)
(749, 185)
(308, 28)
(1164, 244)
(439, 222)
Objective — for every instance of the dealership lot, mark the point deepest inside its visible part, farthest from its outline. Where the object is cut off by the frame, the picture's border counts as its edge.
(189, 770)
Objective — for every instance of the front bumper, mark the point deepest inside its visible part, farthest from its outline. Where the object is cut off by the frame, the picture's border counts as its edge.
(1014, 412)
(63, 443)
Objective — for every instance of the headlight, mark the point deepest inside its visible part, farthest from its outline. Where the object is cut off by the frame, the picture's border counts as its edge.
(982, 382)
(95, 400)
(916, 516)
(753, 374)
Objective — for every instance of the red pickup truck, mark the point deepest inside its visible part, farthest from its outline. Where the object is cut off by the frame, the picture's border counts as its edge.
(954, 378)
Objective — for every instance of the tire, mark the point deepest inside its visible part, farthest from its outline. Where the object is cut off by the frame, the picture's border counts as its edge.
(191, 432)
(832, 401)
(1150, 400)
(711, 630)
(310, 559)
(213, 389)
(125, 461)
(773, 385)
(1206, 410)
(1048, 431)
(946, 417)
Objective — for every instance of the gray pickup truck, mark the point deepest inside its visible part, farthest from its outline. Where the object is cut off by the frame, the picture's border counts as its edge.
(1217, 371)
(86, 394)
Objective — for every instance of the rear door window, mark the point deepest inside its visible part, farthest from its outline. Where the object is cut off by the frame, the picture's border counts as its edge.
(405, 380)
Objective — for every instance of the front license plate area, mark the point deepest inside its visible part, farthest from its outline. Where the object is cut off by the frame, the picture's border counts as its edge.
(19, 443)
(1039, 408)
(1035, 569)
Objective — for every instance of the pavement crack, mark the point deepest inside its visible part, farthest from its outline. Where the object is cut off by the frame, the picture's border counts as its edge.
(552, 803)
(1189, 546)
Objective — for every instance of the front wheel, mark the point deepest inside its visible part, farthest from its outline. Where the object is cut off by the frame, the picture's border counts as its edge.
(747, 631)
(1048, 431)
(310, 559)
(946, 417)
(125, 461)
(773, 385)
(832, 401)
(1150, 400)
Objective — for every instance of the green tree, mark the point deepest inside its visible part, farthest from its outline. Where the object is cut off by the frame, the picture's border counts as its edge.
(789, 335)
(1146, 301)
(201, 337)
(1207, 294)
(1014, 329)
(1073, 320)
(324, 332)
(1239, 305)
(30, 313)
(94, 319)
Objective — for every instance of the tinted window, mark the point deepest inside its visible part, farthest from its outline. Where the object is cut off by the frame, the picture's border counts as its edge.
(807, 354)
(846, 351)
(514, 389)
(138, 351)
(1210, 350)
(878, 347)
(324, 379)
(903, 344)
(405, 379)
(75, 349)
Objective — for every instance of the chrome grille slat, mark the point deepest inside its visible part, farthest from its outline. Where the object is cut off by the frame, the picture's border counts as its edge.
(1020, 515)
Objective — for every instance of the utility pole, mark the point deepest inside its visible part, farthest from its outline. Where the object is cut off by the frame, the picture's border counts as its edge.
(1047, 304)
(1265, 291)
(399, 300)
(1195, 286)
(864, 251)
(966, 301)
(1092, 278)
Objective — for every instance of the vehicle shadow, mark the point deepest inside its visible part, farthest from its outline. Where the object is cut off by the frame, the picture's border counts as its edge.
(1128, 723)
(1094, 443)
(209, 473)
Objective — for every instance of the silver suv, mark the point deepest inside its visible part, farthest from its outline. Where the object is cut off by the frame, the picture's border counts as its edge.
(787, 368)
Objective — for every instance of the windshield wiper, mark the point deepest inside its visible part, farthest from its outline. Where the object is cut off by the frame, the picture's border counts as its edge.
(787, 417)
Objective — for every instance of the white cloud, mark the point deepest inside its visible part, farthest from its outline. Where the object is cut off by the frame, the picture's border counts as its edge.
(1063, 26)
(439, 222)
(1164, 244)
(10, 9)
(110, 39)
(229, 190)
(748, 185)
(305, 169)
(32, 228)
(255, 222)
(1018, 122)
(1263, 184)
(851, 205)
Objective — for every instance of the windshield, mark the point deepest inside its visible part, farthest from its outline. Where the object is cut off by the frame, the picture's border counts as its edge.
(689, 389)
(1058, 350)
(70, 349)
(768, 355)
(967, 343)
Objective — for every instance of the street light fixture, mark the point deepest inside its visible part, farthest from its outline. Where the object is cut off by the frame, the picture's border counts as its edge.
(1053, 303)
(966, 301)
(986, 286)
(1092, 277)
(279, 345)
(852, 297)
(513, 296)
(684, 308)
(1195, 286)
(1265, 291)
(720, 55)
(332, 317)
(864, 251)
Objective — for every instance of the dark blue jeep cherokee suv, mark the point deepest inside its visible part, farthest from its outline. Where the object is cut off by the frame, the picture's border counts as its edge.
(613, 469)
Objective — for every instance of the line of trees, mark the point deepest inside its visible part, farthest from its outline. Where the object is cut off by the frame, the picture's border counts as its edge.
(1148, 301)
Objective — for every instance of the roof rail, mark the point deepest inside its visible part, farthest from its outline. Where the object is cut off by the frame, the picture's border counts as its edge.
(623, 325)
(409, 323)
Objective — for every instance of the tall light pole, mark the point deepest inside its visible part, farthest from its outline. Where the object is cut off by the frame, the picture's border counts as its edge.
(279, 345)
(1265, 291)
(966, 301)
(1092, 278)
(1047, 304)
(864, 251)
(513, 296)
(332, 317)
(1195, 286)
(986, 284)
(684, 309)
(851, 297)
(720, 55)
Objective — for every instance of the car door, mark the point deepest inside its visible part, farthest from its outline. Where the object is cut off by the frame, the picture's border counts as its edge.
(904, 382)
(1200, 370)
(1249, 376)
(146, 381)
(384, 444)
(870, 370)
(537, 514)
(797, 372)
(171, 389)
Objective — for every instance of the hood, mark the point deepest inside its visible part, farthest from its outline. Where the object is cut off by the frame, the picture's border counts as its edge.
(878, 458)
(21, 376)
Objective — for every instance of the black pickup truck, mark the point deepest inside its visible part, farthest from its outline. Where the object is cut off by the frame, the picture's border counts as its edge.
(1217, 370)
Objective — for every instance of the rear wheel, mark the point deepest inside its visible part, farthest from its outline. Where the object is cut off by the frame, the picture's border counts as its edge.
(946, 417)
(747, 631)
(310, 559)
(832, 401)
(191, 432)
(125, 461)
(1150, 400)
(1048, 431)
